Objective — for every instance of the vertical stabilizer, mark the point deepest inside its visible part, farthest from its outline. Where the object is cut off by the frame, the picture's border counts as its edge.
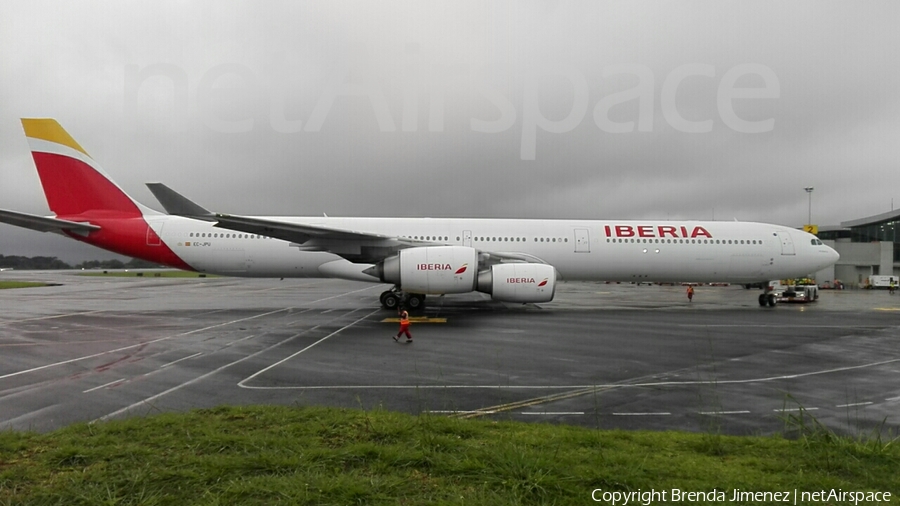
(73, 183)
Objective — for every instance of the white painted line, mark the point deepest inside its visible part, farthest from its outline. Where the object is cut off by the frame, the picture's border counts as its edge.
(143, 343)
(276, 364)
(104, 385)
(215, 371)
(642, 414)
(742, 412)
(552, 413)
(768, 325)
(166, 338)
(892, 398)
(454, 412)
(180, 359)
(38, 318)
(853, 404)
(239, 340)
(795, 409)
(577, 387)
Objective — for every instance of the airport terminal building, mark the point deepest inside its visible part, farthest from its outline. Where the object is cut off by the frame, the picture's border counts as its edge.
(868, 247)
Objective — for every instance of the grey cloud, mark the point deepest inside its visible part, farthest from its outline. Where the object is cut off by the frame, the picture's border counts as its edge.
(434, 68)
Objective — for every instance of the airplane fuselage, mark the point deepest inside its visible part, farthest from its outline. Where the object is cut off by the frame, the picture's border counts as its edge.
(736, 252)
(512, 260)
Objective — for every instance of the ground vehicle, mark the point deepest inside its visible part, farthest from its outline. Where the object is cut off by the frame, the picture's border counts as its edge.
(882, 281)
(797, 291)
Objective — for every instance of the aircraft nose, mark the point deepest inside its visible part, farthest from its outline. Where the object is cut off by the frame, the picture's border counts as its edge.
(835, 256)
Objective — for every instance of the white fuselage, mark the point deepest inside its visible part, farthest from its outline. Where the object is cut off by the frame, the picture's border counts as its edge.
(580, 250)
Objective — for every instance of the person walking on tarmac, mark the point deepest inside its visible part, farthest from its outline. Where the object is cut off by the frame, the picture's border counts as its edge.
(404, 325)
(690, 293)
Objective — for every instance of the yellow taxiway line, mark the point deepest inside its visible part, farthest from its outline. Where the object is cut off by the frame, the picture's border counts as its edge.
(416, 319)
(529, 402)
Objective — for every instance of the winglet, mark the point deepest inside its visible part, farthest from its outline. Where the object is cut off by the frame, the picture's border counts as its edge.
(177, 204)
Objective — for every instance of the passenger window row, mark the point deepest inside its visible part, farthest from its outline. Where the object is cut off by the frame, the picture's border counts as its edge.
(687, 241)
(486, 239)
(227, 236)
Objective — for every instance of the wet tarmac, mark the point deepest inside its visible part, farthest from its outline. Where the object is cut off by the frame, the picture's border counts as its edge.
(600, 355)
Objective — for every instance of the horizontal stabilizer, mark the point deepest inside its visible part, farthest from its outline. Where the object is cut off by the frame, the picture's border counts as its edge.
(43, 224)
(177, 204)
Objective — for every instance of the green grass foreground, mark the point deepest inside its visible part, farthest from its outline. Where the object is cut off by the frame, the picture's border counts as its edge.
(20, 284)
(310, 455)
(145, 274)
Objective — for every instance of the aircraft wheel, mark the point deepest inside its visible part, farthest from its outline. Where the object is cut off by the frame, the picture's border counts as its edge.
(762, 300)
(771, 299)
(383, 295)
(390, 300)
(415, 301)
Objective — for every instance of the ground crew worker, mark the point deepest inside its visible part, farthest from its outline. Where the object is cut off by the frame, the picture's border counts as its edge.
(690, 293)
(404, 326)
(892, 287)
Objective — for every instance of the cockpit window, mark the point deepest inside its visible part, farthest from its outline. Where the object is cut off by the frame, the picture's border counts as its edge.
(816, 242)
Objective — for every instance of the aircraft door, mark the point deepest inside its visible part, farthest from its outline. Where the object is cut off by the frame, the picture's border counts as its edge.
(152, 237)
(582, 240)
(467, 238)
(787, 244)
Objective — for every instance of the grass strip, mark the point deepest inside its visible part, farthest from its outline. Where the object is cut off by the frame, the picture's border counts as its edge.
(328, 456)
(147, 274)
(20, 284)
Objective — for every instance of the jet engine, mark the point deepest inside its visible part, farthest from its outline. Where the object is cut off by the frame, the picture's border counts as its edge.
(430, 270)
(436, 270)
(519, 282)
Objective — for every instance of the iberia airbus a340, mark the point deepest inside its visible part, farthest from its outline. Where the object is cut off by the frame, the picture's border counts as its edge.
(512, 260)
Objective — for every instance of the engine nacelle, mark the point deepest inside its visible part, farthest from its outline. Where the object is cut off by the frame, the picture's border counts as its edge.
(519, 282)
(432, 270)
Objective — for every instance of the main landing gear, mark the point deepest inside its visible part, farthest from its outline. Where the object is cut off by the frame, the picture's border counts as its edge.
(395, 297)
(767, 299)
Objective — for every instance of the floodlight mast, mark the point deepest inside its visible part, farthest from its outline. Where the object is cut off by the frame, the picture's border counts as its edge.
(809, 190)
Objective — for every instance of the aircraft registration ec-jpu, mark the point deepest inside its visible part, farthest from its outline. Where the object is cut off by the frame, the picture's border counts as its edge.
(512, 260)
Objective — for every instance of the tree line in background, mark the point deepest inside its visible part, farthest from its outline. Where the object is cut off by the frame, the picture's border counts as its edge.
(49, 263)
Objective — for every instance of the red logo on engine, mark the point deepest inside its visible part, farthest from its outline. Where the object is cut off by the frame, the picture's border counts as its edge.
(544, 282)
(462, 269)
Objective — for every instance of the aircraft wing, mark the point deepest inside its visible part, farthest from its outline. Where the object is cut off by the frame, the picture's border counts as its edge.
(352, 245)
(355, 246)
(44, 224)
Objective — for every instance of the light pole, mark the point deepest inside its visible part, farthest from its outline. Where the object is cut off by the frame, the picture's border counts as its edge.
(809, 190)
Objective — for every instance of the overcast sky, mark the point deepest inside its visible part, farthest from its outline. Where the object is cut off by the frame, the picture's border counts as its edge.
(593, 110)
